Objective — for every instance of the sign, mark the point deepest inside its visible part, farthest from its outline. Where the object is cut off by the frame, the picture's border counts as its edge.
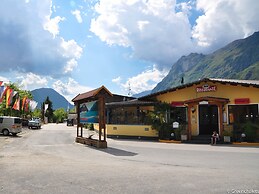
(206, 88)
(177, 103)
(89, 112)
(175, 125)
(203, 102)
(242, 101)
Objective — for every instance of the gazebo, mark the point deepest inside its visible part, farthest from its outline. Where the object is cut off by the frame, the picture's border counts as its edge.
(90, 108)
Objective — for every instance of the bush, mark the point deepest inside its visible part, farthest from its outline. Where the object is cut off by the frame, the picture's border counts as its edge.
(250, 131)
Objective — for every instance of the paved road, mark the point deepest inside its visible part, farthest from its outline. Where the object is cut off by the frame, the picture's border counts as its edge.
(48, 161)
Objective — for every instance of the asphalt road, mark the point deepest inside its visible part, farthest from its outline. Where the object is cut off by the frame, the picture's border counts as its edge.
(49, 161)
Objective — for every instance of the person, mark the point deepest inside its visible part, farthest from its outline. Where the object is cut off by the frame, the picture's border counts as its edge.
(214, 138)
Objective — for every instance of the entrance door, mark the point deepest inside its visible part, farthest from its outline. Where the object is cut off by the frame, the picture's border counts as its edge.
(208, 119)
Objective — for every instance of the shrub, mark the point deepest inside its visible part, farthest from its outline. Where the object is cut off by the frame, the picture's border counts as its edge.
(250, 131)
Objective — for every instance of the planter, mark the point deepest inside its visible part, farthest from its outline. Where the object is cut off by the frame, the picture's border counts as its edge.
(184, 137)
(227, 139)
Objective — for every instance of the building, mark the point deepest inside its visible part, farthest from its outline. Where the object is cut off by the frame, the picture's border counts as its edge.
(199, 107)
(202, 107)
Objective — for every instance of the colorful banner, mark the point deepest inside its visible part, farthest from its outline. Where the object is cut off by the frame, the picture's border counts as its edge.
(3, 90)
(9, 96)
(16, 105)
(89, 112)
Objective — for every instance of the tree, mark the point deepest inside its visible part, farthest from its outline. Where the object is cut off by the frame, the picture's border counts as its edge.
(159, 119)
(37, 113)
(49, 111)
(59, 115)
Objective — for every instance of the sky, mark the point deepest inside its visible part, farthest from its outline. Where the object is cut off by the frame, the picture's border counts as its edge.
(74, 46)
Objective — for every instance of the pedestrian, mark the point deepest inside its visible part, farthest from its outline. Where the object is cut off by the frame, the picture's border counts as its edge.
(214, 138)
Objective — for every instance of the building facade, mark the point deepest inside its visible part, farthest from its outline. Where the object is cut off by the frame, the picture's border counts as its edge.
(202, 106)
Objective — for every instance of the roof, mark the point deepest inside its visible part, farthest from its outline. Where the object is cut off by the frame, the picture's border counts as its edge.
(133, 102)
(207, 98)
(91, 94)
(247, 83)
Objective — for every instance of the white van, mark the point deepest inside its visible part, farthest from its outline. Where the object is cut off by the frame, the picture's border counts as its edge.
(11, 125)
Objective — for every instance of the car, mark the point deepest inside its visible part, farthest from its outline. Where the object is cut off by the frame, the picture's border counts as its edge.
(34, 123)
(25, 122)
(70, 122)
(11, 125)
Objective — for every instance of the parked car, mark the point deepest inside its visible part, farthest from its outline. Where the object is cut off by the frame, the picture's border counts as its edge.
(25, 122)
(11, 125)
(70, 122)
(34, 123)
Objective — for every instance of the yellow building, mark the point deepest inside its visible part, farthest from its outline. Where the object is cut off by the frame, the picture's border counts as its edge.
(203, 106)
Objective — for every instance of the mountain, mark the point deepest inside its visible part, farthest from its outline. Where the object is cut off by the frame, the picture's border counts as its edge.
(58, 101)
(147, 92)
(237, 60)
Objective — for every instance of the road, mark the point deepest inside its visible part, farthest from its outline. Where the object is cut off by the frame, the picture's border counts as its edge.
(49, 161)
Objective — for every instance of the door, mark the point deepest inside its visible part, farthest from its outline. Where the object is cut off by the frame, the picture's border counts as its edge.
(208, 119)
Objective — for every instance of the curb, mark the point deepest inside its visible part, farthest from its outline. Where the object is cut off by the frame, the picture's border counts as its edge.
(246, 144)
(169, 141)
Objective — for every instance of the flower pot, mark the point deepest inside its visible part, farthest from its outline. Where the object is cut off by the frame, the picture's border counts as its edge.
(184, 137)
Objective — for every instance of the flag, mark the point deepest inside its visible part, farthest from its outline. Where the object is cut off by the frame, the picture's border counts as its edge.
(9, 96)
(27, 104)
(33, 105)
(23, 102)
(16, 105)
(3, 90)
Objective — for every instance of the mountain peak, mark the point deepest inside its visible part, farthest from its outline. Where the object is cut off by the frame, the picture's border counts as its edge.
(58, 101)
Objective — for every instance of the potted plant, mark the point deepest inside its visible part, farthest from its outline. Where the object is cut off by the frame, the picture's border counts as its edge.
(227, 134)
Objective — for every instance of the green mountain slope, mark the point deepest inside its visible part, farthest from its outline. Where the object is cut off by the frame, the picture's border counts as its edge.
(237, 60)
(58, 101)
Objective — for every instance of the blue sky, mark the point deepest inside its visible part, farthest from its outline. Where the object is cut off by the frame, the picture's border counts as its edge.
(78, 45)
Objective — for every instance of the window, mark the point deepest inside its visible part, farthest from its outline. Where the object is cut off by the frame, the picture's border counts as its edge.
(17, 121)
(242, 113)
(178, 114)
(1, 120)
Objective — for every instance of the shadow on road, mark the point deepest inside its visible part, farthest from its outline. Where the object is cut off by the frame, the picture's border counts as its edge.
(115, 151)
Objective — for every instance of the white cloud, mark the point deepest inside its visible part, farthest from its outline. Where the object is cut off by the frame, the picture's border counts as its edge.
(144, 81)
(224, 21)
(77, 14)
(160, 30)
(32, 81)
(70, 89)
(117, 80)
(30, 41)
(70, 65)
(52, 25)
(151, 28)
(70, 49)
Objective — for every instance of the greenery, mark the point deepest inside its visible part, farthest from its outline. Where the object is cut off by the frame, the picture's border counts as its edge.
(37, 113)
(159, 121)
(227, 133)
(250, 131)
(59, 115)
(49, 112)
(89, 126)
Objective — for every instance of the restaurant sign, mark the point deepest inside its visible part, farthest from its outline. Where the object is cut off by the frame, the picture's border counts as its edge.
(206, 88)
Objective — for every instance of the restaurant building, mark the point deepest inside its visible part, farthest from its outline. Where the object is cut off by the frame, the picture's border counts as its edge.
(202, 106)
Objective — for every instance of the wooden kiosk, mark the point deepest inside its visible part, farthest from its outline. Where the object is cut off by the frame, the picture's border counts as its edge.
(81, 100)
